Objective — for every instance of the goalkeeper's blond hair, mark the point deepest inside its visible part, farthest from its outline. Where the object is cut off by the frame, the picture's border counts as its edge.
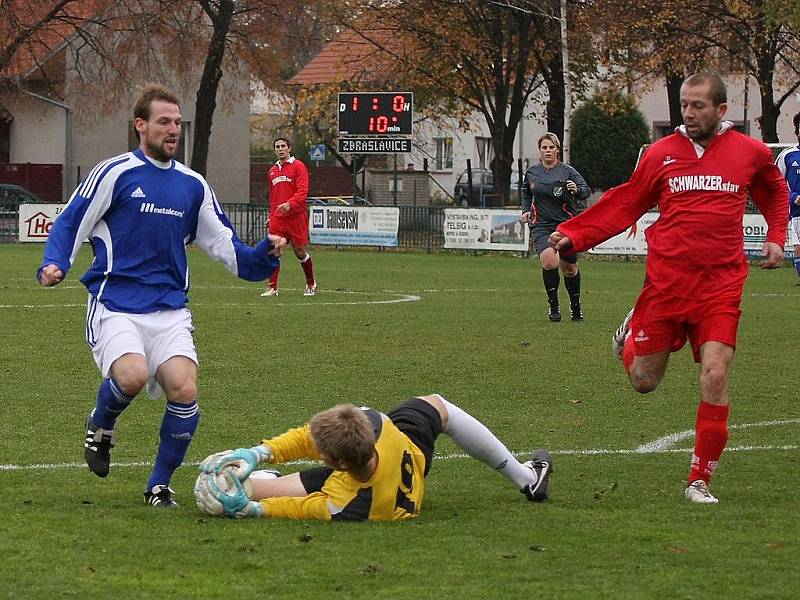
(344, 433)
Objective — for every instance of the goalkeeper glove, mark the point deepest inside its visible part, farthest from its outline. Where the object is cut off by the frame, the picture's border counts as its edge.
(245, 460)
(224, 495)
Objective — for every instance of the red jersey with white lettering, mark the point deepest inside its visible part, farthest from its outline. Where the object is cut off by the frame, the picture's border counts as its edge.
(288, 182)
(696, 247)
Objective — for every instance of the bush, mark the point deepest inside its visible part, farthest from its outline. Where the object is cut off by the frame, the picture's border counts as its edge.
(607, 133)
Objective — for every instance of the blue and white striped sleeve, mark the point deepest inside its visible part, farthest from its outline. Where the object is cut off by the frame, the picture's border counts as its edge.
(215, 235)
(85, 208)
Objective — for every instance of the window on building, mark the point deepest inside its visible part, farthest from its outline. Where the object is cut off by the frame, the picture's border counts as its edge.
(444, 153)
(399, 185)
(180, 156)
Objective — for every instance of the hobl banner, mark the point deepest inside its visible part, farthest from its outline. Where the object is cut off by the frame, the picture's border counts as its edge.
(632, 240)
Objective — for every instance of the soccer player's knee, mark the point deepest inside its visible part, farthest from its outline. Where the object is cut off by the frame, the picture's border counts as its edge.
(643, 383)
(714, 376)
(185, 393)
(131, 379)
(435, 400)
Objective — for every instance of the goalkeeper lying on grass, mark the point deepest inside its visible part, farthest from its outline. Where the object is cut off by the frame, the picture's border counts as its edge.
(375, 465)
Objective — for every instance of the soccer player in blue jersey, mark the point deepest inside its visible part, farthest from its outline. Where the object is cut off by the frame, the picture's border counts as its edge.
(788, 163)
(139, 210)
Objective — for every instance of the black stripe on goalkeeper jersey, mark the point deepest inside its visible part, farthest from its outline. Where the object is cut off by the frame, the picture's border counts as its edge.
(376, 419)
(357, 509)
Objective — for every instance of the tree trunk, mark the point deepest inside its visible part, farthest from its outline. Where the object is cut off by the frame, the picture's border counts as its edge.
(768, 121)
(209, 83)
(555, 101)
(674, 82)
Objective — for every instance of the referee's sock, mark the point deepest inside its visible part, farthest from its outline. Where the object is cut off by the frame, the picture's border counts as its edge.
(475, 439)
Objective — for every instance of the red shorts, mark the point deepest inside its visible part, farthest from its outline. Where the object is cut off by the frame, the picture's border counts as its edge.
(661, 321)
(294, 228)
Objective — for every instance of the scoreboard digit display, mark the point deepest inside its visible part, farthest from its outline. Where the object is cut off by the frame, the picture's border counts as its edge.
(375, 113)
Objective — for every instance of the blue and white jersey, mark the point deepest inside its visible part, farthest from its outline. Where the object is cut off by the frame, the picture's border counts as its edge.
(139, 215)
(788, 163)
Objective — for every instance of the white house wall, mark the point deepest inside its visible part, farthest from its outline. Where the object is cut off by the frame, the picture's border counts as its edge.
(652, 103)
(38, 130)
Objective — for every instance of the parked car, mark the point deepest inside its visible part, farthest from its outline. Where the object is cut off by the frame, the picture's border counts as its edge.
(11, 196)
(337, 201)
(461, 192)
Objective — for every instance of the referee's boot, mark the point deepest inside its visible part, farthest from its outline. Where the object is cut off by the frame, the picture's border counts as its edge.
(97, 447)
(554, 314)
(576, 313)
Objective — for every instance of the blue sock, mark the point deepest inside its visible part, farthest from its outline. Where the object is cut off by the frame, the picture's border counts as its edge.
(796, 262)
(111, 401)
(177, 428)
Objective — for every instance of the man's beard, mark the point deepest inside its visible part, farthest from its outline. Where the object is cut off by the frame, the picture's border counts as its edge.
(160, 153)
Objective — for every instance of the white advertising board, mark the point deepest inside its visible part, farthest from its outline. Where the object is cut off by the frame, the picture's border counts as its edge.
(35, 221)
(354, 225)
(484, 229)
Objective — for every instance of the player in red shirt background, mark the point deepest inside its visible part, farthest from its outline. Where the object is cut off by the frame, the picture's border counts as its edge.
(699, 177)
(288, 214)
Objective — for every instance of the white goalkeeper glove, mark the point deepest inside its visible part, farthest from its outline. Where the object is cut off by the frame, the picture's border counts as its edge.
(244, 461)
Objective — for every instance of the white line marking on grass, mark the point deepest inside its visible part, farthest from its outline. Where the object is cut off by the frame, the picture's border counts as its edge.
(401, 298)
(524, 454)
(661, 444)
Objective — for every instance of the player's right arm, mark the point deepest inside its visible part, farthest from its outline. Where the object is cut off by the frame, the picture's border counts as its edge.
(619, 208)
(86, 207)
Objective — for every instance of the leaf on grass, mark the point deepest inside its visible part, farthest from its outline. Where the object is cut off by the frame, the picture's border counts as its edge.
(87, 502)
(27, 501)
(775, 545)
(524, 344)
(536, 548)
(578, 422)
(509, 556)
(306, 537)
(678, 550)
(250, 549)
(577, 401)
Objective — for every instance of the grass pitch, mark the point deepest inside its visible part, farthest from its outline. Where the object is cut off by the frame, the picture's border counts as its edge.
(383, 327)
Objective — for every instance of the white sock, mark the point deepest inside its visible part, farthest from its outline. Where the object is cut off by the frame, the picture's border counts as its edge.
(475, 439)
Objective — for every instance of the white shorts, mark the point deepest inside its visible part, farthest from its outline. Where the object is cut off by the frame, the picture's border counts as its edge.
(794, 231)
(157, 336)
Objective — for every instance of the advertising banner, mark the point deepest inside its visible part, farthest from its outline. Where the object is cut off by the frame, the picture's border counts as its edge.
(354, 225)
(484, 229)
(35, 221)
(631, 241)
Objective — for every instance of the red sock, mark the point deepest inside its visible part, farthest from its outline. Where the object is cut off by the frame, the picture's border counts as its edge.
(710, 439)
(308, 269)
(627, 354)
(273, 279)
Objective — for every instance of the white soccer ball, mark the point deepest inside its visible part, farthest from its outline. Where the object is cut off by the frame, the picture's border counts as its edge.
(204, 495)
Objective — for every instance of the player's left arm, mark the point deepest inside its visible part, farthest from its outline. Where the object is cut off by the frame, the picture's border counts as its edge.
(216, 236)
(771, 195)
(298, 199)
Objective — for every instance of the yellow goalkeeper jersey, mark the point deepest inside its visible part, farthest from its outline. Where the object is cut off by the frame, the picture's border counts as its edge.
(394, 492)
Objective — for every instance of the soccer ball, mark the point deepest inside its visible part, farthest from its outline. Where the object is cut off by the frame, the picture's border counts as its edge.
(216, 493)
